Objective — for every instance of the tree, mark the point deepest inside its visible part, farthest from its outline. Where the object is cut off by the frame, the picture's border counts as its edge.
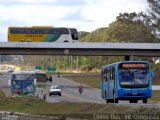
(128, 27)
(154, 14)
(131, 27)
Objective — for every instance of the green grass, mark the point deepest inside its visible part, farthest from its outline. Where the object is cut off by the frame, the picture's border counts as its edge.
(155, 96)
(2, 94)
(36, 106)
(156, 79)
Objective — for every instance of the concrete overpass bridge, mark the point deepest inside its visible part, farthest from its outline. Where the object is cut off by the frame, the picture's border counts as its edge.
(80, 49)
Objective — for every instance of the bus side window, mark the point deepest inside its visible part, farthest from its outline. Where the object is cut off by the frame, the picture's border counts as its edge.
(102, 73)
(113, 73)
(105, 75)
(109, 74)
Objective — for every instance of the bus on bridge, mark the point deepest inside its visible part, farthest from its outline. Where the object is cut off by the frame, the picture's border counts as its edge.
(128, 80)
(42, 34)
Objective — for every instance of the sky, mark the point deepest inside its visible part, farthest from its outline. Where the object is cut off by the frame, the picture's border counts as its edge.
(85, 15)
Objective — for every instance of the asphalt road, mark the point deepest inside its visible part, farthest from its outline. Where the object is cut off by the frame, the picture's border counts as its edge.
(70, 92)
(69, 88)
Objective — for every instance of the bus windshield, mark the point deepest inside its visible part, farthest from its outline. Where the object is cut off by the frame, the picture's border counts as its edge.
(23, 77)
(22, 83)
(134, 77)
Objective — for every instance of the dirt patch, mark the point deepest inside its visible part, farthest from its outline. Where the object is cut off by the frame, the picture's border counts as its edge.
(156, 79)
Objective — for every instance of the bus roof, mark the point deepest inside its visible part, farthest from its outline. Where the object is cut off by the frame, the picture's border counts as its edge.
(30, 27)
(28, 72)
(23, 72)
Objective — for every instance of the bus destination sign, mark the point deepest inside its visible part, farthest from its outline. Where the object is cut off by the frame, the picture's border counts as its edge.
(133, 65)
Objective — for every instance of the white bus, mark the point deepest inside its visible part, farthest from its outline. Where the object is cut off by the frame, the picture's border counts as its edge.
(42, 34)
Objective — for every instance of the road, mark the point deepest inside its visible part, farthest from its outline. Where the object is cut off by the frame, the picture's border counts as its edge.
(69, 91)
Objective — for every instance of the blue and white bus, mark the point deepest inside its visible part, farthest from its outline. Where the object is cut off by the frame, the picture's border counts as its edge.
(128, 80)
(26, 83)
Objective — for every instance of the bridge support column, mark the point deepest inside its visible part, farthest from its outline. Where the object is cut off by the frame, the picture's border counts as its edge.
(129, 58)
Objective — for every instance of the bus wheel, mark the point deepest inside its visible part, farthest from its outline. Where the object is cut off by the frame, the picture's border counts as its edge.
(107, 101)
(135, 101)
(105, 95)
(102, 93)
(116, 100)
(112, 100)
(145, 100)
(130, 101)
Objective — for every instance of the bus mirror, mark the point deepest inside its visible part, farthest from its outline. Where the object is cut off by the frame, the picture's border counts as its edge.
(35, 82)
(79, 33)
(75, 36)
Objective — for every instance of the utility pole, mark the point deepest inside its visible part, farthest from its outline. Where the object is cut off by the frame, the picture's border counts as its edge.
(0, 60)
(71, 63)
(77, 65)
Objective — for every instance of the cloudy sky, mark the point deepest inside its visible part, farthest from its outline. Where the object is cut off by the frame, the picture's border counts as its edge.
(85, 15)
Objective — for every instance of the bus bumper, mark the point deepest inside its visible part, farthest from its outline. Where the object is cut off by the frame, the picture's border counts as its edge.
(126, 94)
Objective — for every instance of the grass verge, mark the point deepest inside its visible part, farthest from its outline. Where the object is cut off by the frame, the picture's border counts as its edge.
(155, 96)
(36, 106)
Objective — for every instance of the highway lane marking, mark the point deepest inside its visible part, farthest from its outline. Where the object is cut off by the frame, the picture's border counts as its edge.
(74, 97)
